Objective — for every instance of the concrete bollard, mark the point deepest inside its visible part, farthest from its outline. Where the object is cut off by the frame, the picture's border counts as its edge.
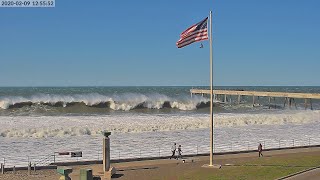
(108, 174)
(106, 151)
(86, 174)
(64, 172)
(29, 168)
(2, 168)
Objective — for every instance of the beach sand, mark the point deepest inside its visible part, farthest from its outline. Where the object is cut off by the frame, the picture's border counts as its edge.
(159, 169)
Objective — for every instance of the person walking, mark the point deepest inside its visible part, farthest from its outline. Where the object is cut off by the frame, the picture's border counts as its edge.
(260, 150)
(179, 152)
(173, 149)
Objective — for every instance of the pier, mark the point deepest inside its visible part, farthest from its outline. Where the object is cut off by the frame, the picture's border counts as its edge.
(289, 98)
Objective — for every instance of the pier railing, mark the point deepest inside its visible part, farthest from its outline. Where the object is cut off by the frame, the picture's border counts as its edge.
(188, 149)
(289, 97)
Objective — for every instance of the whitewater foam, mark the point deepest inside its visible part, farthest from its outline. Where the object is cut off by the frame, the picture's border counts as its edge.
(60, 126)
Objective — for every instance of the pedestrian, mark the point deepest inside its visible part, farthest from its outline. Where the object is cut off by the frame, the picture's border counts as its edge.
(179, 152)
(260, 150)
(173, 149)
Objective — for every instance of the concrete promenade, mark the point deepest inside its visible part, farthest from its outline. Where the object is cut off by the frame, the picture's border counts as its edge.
(173, 169)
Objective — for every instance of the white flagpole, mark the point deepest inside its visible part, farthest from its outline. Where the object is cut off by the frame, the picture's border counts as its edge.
(211, 94)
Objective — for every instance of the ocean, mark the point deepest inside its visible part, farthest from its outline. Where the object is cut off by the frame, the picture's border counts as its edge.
(38, 122)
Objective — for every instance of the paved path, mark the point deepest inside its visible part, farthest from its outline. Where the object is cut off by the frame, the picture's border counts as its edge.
(171, 169)
(144, 170)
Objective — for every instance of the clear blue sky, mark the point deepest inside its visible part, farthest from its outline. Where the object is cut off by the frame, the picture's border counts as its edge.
(132, 43)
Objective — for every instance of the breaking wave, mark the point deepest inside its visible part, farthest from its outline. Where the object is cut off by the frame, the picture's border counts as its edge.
(123, 102)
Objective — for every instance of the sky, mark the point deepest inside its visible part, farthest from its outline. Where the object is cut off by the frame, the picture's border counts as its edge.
(133, 43)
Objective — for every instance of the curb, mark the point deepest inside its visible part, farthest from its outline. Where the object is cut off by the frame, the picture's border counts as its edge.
(297, 173)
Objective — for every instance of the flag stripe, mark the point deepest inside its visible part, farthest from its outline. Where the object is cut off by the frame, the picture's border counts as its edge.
(196, 32)
(194, 38)
(186, 32)
(192, 41)
(192, 35)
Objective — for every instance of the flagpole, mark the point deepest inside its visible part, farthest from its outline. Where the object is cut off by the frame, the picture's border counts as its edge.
(211, 94)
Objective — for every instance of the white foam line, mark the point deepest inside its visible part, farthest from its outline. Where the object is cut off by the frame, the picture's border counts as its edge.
(50, 126)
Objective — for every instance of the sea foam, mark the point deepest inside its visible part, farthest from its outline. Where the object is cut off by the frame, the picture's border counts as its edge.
(52, 126)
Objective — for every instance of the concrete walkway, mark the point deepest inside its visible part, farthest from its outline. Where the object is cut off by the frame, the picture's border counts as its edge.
(172, 169)
(145, 170)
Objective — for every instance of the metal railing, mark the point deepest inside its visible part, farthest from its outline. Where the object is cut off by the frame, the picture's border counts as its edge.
(165, 151)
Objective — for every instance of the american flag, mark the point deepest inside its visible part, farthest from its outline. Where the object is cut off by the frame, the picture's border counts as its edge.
(195, 33)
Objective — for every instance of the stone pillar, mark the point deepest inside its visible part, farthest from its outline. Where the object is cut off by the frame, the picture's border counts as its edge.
(106, 151)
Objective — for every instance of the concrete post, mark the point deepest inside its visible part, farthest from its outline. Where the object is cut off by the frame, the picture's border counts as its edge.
(269, 102)
(29, 168)
(106, 152)
(305, 104)
(64, 172)
(86, 174)
(2, 168)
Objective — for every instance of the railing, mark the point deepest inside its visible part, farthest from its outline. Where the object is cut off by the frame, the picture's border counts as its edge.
(164, 151)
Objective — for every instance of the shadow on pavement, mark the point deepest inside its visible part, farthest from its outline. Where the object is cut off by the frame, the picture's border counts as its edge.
(117, 176)
(134, 169)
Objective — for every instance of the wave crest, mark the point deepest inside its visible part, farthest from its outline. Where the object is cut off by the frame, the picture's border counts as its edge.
(124, 102)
